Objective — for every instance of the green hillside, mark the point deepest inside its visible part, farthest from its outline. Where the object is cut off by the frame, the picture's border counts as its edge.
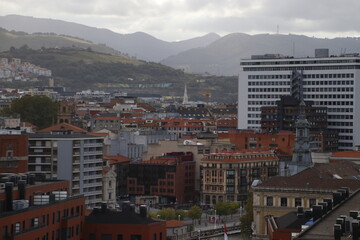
(77, 68)
(10, 39)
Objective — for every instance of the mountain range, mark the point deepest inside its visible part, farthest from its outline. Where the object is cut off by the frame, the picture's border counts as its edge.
(140, 45)
(207, 54)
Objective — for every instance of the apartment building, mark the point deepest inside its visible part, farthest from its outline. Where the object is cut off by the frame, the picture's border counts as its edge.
(39, 210)
(327, 81)
(281, 195)
(171, 177)
(228, 176)
(65, 155)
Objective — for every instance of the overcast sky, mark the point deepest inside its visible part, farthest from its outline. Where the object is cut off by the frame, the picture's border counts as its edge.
(173, 20)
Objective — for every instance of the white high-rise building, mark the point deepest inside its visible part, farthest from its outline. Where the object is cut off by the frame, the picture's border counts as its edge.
(328, 81)
(77, 158)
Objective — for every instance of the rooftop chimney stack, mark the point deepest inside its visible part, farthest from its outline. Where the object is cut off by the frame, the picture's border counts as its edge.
(21, 188)
(9, 198)
(337, 232)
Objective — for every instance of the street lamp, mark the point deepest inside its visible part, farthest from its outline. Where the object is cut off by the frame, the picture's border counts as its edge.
(158, 216)
(199, 233)
(179, 217)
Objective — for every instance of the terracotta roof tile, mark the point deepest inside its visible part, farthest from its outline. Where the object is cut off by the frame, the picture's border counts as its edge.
(320, 177)
(174, 223)
(63, 126)
(344, 154)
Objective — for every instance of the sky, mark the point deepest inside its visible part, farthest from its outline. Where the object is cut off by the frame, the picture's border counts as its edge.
(173, 20)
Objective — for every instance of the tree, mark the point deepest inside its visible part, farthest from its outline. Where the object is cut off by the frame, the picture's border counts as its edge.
(166, 214)
(247, 219)
(233, 207)
(38, 110)
(194, 212)
(182, 214)
(222, 208)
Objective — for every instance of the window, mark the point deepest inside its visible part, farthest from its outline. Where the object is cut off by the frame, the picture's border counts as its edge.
(106, 236)
(312, 202)
(119, 237)
(298, 202)
(92, 236)
(154, 236)
(283, 202)
(135, 237)
(269, 201)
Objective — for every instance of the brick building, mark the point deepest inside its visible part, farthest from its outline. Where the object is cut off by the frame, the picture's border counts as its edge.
(127, 225)
(284, 114)
(171, 177)
(228, 176)
(121, 168)
(282, 142)
(40, 211)
(13, 153)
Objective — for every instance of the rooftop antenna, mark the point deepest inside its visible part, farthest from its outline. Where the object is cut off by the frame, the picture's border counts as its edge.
(277, 29)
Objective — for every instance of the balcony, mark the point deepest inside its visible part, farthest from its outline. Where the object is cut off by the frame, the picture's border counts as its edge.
(93, 153)
(94, 176)
(93, 144)
(97, 168)
(96, 200)
(97, 192)
(95, 184)
(94, 160)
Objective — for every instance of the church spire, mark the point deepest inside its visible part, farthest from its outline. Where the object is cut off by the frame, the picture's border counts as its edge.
(186, 98)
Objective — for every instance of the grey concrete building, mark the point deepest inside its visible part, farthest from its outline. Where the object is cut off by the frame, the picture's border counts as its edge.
(68, 156)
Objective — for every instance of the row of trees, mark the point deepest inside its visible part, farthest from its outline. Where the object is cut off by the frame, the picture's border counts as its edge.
(194, 212)
(38, 110)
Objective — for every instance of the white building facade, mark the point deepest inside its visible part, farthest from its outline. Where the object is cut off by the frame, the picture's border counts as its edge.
(328, 81)
(77, 158)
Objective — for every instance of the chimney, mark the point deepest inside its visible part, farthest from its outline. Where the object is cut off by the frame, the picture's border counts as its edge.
(9, 197)
(343, 194)
(308, 213)
(317, 212)
(354, 214)
(32, 179)
(337, 232)
(21, 188)
(143, 211)
(300, 211)
(132, 208)
(329, 204)
(355, 230)
(337, 198)
(347, 191)
(103, 207)
(324, 207)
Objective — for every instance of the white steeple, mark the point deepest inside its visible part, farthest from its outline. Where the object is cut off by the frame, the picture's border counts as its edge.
(186, 98)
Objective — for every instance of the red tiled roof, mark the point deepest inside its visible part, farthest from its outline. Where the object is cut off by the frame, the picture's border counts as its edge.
(98, 134)
(174, 223)
(346, 154)
(112, 159)
(319, 177)
(62, 126)
(106, 118)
